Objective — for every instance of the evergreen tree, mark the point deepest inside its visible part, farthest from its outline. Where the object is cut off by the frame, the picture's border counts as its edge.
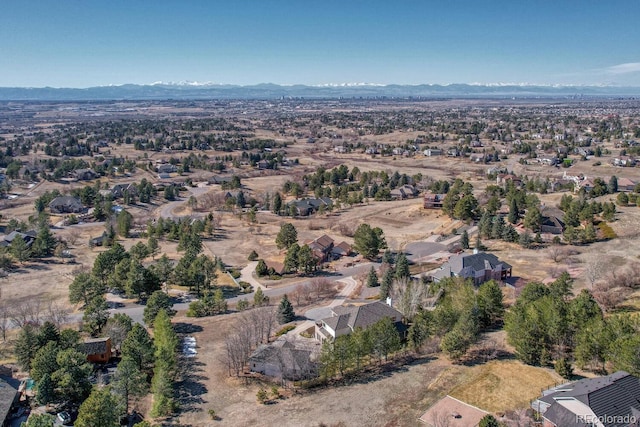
(96, 314)
(277, 204)
(261, 268)
(164, 372)
(26, 346)
(514, 213)
(46, 390)
(138, 347)
(402, 266)
(99, 410)
(464, 240)
(158, 300)
(285, 311)
(372, 278)
(368, 241)
(129, 382)
(287, 236)
(489, 421)
(259, 298)
(387, 283)
(19, 250)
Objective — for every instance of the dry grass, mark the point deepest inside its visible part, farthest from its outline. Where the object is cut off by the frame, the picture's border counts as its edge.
(501, 385)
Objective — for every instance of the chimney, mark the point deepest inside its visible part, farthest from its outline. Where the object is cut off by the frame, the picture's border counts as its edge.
(389, 301)
(475, 250)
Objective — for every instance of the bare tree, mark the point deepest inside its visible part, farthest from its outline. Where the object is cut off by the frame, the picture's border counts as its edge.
(27, 312)
(56, 313)
(556, 253)
(408, 295)
(594, 270)
(5, 318)
(322, 287)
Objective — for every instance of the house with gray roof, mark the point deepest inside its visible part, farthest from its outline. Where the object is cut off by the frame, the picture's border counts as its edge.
(609, 401)
(8, 397)
(65, 204)
(286, 359)
(481, 267)
(28, 237)
(347, 318)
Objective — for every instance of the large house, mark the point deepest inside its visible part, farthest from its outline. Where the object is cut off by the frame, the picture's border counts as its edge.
(65, 204)
(347, 318)
(28, 238)
(480, 267)
(306, 207)
(286, 359)
(610, 401)
(322, 247)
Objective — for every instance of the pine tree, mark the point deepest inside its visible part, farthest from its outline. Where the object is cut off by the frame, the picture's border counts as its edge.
(464, 240)
(387, 282)
(514, 213)
(99, 410)
(372, 278)
(285, 311)
(402, 266)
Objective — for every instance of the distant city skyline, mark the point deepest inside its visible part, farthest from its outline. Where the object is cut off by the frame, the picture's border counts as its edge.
(76, 43)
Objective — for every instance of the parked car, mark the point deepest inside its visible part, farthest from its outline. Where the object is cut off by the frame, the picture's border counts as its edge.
(64, 417)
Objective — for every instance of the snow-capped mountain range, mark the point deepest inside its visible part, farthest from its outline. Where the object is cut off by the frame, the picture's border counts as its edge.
(209, 90)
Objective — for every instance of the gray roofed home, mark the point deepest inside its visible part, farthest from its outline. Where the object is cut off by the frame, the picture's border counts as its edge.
(346, 318)
(65, 204)
(85, 174)
(97, 349)
(286, 359)
(28, 237)
(480, 267)
(8, 396)
(609, 401)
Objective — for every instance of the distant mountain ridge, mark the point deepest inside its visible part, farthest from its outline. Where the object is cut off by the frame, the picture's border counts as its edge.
(200, 91)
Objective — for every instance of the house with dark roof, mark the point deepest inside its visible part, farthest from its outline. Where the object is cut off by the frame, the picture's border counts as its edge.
(28, 237)
(480, 267)
(85, 174)
(98, 350)
(341, 249)
(433, 201)
(8, 397)
(65, 204)
(345, 319)
(306, 207)
(321, 247)
(166, 168)
(286, 359)
(609, 401)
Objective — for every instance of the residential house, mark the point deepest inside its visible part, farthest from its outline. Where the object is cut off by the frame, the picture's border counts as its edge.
(98, 350)
(286, 359)
(166, 168)
(431, 152)
(345, 319)
(118, 191)
(453, 152)
(503, 178)
(65, 204)
(609, 401)
(433, 200)
(8, 397)
(28, 237)
(340, 149)
(275, 267)
(548, 160)
(404, 192)
(480, 267)
(322, 247)
(452, 412)
(98, 241)
(626, 185)
(306, 207)
(552, 221)
(85, 174)
(219, 180)
(341, 249)
(623, 161)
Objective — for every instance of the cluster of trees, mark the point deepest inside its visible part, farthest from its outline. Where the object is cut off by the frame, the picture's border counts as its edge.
(580, 217)
(460, 203)
(166, 228)
(353, 351)
(210, 304)
(55, 361)
(548, 325)
(462, 313)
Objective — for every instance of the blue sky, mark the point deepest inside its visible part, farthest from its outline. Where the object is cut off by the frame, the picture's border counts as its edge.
(82, 43)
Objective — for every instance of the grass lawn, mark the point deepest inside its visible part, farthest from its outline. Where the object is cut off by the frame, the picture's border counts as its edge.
(500, 385)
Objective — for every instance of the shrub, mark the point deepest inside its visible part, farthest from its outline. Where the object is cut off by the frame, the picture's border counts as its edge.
(285, 329)
(253, 256)
(262, 396)
(212, 414)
